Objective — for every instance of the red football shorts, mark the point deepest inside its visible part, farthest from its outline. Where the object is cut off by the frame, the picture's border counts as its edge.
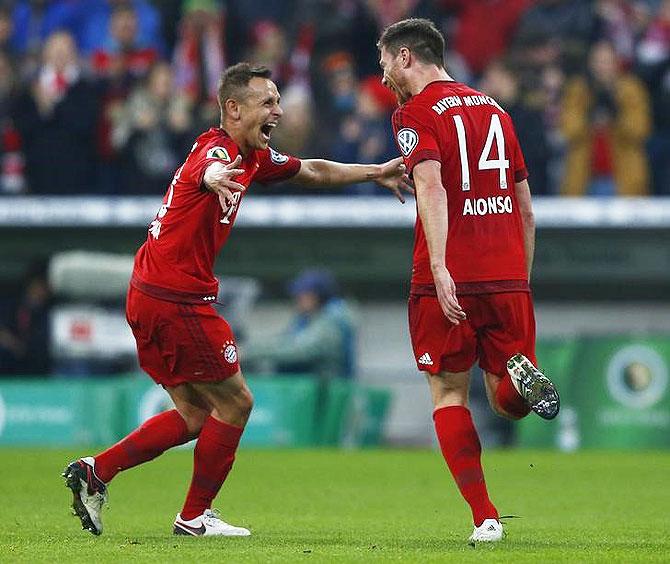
(179, 343)
(497, 327)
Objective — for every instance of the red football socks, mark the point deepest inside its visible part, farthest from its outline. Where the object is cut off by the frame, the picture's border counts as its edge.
(462, 451)
(509, 399)
(213, 458)
(145, 443)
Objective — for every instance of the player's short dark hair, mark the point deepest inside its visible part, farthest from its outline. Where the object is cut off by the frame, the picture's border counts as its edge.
(235, 79)
(419, 35)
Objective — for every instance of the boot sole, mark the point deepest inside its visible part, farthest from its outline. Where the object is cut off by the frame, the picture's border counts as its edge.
(541, 394)
(74, 481)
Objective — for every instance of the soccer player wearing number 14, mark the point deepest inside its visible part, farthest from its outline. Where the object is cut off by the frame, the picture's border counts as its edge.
(473, 251)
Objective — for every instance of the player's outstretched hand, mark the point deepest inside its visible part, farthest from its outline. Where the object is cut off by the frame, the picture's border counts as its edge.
(219, 179)
(446, 295)
(393, 176)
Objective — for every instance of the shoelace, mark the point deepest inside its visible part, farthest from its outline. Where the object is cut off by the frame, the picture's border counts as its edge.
(211, 515)
(102, 498)
(508, 517)
(95, 484)
(505, 522)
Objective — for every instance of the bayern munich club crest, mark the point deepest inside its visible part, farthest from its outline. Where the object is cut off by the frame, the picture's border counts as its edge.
(229, 352)
(407, 140)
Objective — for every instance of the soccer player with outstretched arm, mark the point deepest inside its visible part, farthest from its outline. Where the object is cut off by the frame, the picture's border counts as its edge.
(182, 343)
(473, 251)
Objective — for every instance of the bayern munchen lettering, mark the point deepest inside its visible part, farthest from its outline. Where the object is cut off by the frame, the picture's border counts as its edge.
(487, 206)
(444, 104)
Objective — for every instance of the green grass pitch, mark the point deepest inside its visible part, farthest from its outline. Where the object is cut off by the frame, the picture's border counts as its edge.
(349, 506)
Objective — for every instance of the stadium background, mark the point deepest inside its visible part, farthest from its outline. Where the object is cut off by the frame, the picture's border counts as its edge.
(100, 101)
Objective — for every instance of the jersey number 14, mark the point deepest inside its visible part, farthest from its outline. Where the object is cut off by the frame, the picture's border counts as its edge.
(495, 134)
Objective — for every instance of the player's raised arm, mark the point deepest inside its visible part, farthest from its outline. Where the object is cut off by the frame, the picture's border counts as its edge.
(431, 198)
(320, 172)
(528, 218)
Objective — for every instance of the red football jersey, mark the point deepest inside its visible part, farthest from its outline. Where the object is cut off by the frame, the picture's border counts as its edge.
(177, 259)
(474, 140)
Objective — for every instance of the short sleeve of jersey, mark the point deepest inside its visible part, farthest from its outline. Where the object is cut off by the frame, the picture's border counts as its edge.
(415, 137)
(217, 150)
(274, 166)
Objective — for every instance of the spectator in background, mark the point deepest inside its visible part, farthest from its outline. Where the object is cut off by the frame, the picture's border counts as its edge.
(6, 31)
(294, 135)
(365, 136)
(320, 339)
(606, 121)
(242, 17)
(117, 67)
(200, 58)
(334, 94)
(8, 86)
(33, 22)
(268, 46)
(152, 131)
(36, 20)
(480, 38)
(169, 12)
(621, 23)
(534, 56)
(24, 326)
(122, 57)
(96, 31)
(338, 26)
(553, 81)
(653, 65)
(56, 119)
(570, 23)
(12, 163)
(500, 82)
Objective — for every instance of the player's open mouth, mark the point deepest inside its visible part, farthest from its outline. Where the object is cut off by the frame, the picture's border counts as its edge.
(266, 130)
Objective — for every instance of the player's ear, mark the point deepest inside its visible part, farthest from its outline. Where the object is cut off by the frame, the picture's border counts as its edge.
(405, 55)
(232, 108)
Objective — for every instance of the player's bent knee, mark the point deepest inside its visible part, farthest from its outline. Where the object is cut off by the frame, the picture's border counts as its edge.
(244, 400)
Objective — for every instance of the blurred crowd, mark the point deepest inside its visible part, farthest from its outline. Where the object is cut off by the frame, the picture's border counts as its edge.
(106, 96)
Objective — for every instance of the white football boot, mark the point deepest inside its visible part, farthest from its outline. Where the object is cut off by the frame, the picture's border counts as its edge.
(491, 530)
(209, 524)
(534, 387)
(89, 493)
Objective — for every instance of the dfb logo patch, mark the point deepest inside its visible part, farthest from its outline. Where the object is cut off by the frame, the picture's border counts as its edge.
(408, 139)
(229, 352)
(218, 153)
(277, 157)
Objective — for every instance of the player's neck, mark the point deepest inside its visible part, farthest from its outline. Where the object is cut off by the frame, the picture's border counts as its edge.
(237, 137)
(424, 76)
